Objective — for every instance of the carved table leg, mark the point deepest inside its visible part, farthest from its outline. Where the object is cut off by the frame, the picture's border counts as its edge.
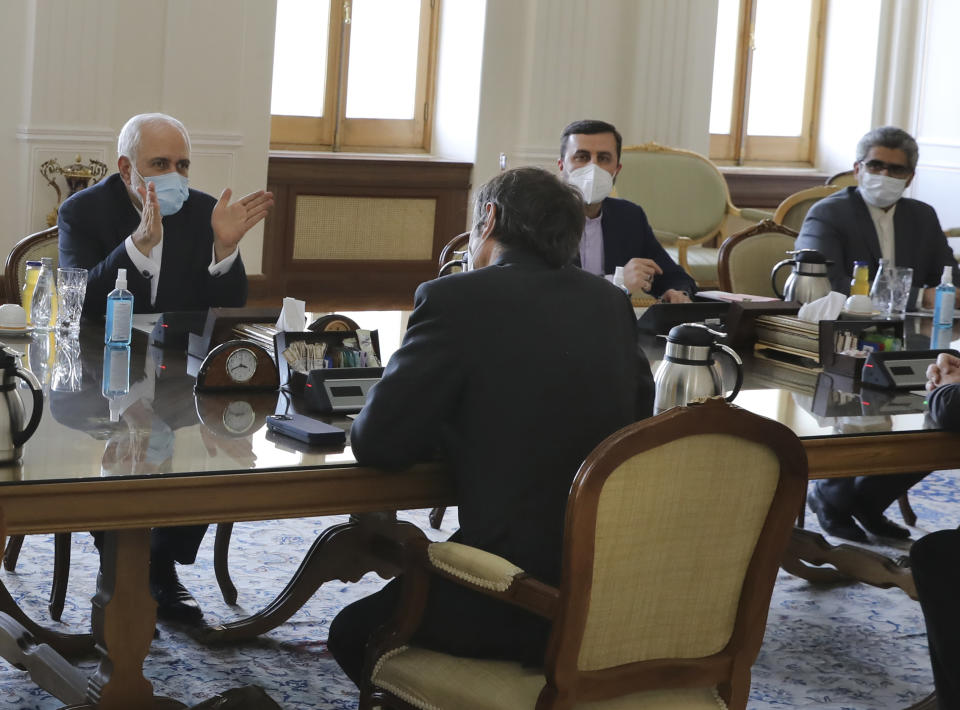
(123, 617)
(221, 567)
(65, 644)
(849, 562)
(346, 551)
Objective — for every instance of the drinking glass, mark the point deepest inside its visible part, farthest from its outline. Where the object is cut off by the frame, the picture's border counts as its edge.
(71, 289)
(67, 369)
(901, 278)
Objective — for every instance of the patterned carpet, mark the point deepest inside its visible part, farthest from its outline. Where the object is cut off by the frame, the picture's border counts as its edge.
(840, 647)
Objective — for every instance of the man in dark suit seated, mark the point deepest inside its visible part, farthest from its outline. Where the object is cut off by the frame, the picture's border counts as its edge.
(865, 223)
(935, 558)
(514, 370)
(179, 247)
(616, 232)
(180, 250)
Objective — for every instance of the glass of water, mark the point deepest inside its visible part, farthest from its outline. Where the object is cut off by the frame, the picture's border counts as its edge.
(71, 289)
(901, 278)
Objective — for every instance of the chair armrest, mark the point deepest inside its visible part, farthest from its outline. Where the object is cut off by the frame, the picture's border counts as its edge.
(754, 214)
(683, 244)
(493, 576)
(667, 239)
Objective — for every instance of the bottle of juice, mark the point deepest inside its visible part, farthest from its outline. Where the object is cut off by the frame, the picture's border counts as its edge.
(29, 283)
(860, 283)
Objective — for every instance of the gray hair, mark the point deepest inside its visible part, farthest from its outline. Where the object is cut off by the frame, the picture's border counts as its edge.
(535, 211)
(889, 137)
(128, 143)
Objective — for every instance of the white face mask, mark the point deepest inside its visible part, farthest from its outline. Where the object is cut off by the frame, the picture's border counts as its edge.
(880, 190)
(594, 183)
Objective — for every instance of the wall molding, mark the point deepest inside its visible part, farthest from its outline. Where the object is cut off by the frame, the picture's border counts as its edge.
(64, 134)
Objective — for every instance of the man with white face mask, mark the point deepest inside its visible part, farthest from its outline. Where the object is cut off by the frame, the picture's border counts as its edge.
(178, 245)
(617, 232)
(865, 223)
(873, 220)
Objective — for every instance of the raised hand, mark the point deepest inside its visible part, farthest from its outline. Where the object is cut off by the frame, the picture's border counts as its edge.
(231, 221)
(149, 232)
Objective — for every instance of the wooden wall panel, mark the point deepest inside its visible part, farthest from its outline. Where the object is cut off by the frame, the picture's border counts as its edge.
(355, 283)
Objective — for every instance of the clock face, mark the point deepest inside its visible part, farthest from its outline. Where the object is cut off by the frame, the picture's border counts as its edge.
(241, 364)
(239, 416)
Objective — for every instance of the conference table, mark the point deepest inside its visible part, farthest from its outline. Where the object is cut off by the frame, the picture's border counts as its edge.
(145, 459)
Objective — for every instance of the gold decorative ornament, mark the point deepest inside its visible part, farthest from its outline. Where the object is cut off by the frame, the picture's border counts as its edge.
(78, 175)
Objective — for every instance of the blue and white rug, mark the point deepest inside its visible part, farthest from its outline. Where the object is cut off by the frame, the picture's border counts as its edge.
(831, 647)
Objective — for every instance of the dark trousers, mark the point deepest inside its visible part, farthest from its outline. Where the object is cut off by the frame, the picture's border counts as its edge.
(873, 494)
(178, 544)
(935, 561)
(456, 621)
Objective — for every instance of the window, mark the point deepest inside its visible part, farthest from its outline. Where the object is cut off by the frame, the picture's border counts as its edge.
(353, 74)
(766, 80)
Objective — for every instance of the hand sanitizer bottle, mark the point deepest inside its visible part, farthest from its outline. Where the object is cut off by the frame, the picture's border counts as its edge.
(119, 313)
(943, 305)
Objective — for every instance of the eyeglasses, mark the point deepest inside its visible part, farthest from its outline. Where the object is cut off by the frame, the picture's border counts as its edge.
(892, 169)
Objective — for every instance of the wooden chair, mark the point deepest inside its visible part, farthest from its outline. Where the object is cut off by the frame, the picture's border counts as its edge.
(453, 256)
(30, 248)
(675, 529)
(845, 178)
(748, 257)
(687, 202)
(793, 210)
(33, 247)
(46, 667)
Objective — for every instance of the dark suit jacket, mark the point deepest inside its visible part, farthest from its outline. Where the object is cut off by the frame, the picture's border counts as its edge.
(627, 235)
(93, 226)
(515, 372)
(840, 228)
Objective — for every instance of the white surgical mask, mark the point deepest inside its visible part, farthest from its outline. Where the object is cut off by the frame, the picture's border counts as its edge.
(881, 190)
(594, 183)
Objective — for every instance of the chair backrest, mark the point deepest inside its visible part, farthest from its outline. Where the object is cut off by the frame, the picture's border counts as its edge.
(681, 191)
(747, 258)
(30, 248)
(845, 178)
(674, 534)
(453, 255)
(792, 211)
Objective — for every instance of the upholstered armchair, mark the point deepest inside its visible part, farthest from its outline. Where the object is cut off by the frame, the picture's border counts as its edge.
(845, 178)
(687, 201)
(674, 531)
(793, 210)
(748, 257)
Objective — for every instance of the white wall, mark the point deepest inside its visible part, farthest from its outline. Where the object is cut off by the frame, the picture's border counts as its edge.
(87, 67)
(644, 65)
(936, 123)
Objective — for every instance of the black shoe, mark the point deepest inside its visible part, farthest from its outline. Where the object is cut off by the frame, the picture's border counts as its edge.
(832, 521)
(880, 525)
(174, 602)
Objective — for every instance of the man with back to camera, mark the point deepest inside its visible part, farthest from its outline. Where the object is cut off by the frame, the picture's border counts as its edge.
(865, 223)
(179, 247)
(935, 558)
(494, 372)
(180, 252)
(616, 232)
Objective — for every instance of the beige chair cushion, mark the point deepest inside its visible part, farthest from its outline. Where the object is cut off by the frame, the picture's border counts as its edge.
(702, 263)
(751, 261)
(478, 567)
(436, 681)
(670, 518)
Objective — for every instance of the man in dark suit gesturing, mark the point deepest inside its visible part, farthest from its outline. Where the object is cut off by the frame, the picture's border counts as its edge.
(514, 371)
(865, 223)
(178, 245)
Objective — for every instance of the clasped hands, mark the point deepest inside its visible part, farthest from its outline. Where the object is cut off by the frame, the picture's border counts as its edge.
(945, 371)
(229, 221)
(638, 275)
